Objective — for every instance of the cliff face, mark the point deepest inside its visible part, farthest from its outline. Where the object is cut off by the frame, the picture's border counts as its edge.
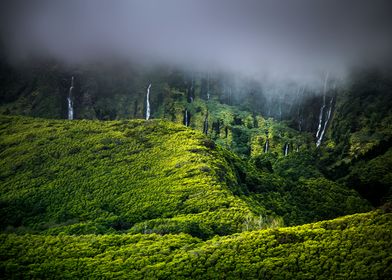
(358, 148)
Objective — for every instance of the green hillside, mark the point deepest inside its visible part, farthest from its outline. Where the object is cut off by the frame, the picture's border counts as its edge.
(156, 199)
(353, 247)
(139, 176)
(97, 177)
(237, 113)
(195, 140)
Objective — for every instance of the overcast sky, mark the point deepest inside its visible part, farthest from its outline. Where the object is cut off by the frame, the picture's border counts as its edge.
(296, 39)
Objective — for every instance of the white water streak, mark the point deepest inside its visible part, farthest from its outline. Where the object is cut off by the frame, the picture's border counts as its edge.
(148, 103)
(70, 102)
(286, 149)
(322, 107)
(266, 146)
(325, 123)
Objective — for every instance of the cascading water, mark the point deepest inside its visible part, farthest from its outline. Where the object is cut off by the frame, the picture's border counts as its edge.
(148, 103)
(286, 149)
(70, 102)
(321, 116)
(186, 118)
(325, 123)
(266, 146)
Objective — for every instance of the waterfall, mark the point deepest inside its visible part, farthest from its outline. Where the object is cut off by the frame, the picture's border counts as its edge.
(286, 149)
(321, 118)
(148, 103)
(325, 123)
(266, 146)
(70, 102)
(322, 108)
(186, 120)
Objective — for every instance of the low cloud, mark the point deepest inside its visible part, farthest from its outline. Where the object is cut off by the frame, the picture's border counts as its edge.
(270, 40)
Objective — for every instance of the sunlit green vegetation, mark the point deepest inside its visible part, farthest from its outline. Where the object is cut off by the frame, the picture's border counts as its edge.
(98, 177)
(138, 176)
(353, 247)
(154, 199)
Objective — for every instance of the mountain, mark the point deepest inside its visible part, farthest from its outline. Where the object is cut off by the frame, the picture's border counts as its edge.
(226, 177)
(147, 176)
(237, 113)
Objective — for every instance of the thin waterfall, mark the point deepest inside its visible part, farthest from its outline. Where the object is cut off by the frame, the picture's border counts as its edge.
(148, 103)
(286, 149)
(186, 118)
(322, 108)
(70, 102)
(325, 123)
(320, 118)
(266, 146)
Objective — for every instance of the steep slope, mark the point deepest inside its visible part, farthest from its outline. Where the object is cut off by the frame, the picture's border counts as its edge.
(352, 247)
(359, 143)
(91, 176)
(83, 177)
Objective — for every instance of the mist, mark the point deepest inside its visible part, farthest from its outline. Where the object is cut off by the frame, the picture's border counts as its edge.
(267, 40)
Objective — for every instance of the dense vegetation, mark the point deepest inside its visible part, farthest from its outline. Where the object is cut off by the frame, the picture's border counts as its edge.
(114, 197)
(358, 150)
(149, 176)
(353, 247)
(237, 113)
(126, 175)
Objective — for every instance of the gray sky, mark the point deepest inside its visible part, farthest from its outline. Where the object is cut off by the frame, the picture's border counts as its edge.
(282, 39)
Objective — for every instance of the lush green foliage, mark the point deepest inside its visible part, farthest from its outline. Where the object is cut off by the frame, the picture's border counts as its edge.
(357, 150)
(84, 177)
(156, 189)
(353, 247)
(97, 177)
